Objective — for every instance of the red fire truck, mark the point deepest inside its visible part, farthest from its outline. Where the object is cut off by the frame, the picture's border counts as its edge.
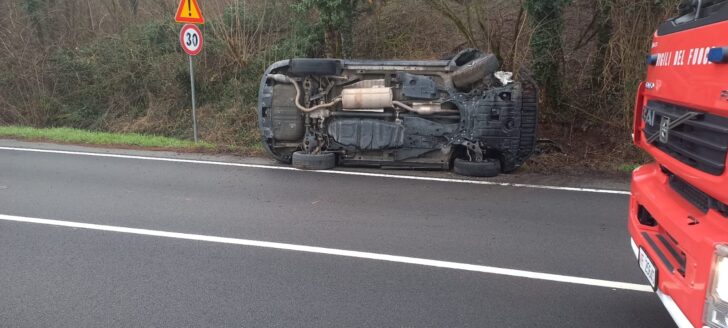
(678, 216)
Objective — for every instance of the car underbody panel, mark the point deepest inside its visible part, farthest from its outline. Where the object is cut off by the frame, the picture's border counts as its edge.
(398, 114)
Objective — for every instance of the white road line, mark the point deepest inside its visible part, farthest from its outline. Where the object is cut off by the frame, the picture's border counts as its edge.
(340, 252)
(285, 168)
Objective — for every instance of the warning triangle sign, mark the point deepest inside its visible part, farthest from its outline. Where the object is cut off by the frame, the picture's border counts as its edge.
(189, 12)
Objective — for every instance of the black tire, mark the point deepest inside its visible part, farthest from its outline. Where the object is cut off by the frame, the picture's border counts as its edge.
(475, 71)
(465, 56)
(488, 168)
(314, 67)
(323, 161)
(529, 129)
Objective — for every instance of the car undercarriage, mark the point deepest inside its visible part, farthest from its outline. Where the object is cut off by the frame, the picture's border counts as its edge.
(461, 113)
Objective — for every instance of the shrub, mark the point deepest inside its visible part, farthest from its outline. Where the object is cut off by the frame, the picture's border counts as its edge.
(115, 76)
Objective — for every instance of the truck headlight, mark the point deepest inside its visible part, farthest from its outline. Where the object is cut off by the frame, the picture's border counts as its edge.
(721, 279)
(716, 305)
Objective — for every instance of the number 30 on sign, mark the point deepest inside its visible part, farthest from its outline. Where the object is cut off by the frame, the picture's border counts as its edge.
(191, 39)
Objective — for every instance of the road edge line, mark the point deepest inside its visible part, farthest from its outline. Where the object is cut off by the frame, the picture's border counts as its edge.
(349, 173)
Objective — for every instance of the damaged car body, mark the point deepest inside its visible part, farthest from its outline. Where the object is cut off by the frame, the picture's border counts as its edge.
(459, 113)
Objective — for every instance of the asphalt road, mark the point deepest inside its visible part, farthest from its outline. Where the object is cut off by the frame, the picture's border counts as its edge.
(53, 276)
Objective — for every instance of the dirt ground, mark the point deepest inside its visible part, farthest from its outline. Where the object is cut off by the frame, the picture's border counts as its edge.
(566, 150)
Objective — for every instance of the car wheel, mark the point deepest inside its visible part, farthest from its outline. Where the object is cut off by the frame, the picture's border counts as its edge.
(489, 167)
(475, 71)
(323, 161)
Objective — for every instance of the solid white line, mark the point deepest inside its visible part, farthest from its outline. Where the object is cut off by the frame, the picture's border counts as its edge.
(340, 252)
(285, 168)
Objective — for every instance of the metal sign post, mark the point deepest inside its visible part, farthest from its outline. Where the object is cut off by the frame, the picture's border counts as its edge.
(191, 40)
(194, 103)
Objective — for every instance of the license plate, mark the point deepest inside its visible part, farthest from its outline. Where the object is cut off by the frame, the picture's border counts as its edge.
(648, 268)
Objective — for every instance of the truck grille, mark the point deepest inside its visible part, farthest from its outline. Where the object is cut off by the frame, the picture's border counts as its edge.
(699, 199)
(701, 142)
(696, 197)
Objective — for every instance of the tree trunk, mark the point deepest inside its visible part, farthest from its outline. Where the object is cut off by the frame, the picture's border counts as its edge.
(547, 48)
(332, 41)
(604, 29)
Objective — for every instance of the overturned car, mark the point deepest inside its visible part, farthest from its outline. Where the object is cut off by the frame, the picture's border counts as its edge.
(460, 113)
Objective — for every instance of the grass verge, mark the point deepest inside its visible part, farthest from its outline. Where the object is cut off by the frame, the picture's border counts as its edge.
(628, 168)
(76, 136)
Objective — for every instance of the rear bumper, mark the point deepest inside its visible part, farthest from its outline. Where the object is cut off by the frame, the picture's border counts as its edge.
(680, 249)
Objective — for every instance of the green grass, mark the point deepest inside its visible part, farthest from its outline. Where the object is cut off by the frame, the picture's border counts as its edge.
(628, 168)
(76, 136)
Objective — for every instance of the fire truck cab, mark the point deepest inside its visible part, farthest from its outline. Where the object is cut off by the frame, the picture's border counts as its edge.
(678, 216)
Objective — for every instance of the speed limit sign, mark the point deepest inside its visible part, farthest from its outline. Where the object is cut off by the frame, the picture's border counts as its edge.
(191, 39)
